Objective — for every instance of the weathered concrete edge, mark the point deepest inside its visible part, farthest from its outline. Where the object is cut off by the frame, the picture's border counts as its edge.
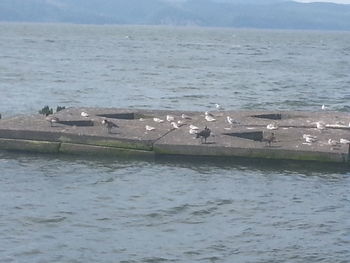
(94, 150)
(29, 145)
(29, 135)
(278, 154)
(69, 148)
(161, 149)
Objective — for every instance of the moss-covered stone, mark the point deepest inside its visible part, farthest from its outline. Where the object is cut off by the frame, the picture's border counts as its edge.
(91, 140)
(261, 153)
(29, 145)
(80, 149)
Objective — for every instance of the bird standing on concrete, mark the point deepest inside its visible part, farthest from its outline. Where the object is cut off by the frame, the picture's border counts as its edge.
(309, 138)
(149, 128)
(170, 118)
(204, 134)
(84, 114)
(174, 125)
(109, 125)
(158, 120)
(272, 126)
(184, 116)
(344, 141)
(209, 117)
(320, 125)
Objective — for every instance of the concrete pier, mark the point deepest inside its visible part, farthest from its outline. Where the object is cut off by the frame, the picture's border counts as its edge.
(248, 136)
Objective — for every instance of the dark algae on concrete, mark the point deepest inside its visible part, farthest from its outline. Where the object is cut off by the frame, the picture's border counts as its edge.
(310, 136)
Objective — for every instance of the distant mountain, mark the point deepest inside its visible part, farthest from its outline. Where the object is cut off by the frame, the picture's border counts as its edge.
(278, 14)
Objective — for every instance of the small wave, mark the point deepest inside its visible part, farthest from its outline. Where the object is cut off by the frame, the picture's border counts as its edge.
(203, 212)
(40, 220)
(109, 180)
(154, 215)
(157, 259)
(30, 252)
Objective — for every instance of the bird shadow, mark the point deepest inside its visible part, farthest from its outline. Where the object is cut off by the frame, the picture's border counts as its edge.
(272, 146)
(114, 133)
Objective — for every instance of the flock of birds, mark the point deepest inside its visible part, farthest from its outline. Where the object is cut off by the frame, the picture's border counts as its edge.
(206, 132)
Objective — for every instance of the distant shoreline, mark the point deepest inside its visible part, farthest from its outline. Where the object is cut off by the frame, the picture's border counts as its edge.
(272, 14)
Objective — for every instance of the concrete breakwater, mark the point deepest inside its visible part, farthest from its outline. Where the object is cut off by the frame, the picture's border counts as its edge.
(315, 136)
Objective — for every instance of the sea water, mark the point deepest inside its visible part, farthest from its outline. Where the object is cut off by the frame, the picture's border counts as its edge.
(76, 209)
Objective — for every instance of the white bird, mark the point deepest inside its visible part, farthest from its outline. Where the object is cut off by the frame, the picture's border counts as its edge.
(231, 120)
(309, 138)
(333, 142)
(84, 114)
(309, 135)
(192, 127)
(344, 141)
(170, 118)
(180, 123)
(320, 125)
(192, 131)
(324, 107)
(184, 116)
(149, 128)
(209, 118)
(174, 125)
(218, 106)
(272, 126)
(207, 113)
(158, 120)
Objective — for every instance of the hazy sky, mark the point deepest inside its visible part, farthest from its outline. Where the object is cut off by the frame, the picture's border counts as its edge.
(333, 1)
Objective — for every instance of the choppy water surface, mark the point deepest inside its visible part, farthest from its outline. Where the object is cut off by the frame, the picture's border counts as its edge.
(64, 209)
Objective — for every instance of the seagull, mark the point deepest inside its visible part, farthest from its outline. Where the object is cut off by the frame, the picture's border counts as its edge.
(109, 125)
(309, 138)
(170, 118)
(272, 126)
(209, 118)
(192, 131)
(84, 114)
(192, 127)
(218, 107)
(180, 123)
(184, 116)
(231, 121)
(324, 107)
(344, 141)
(52, 120)
(320, 125)
(158, 120)
(204, 134)
(207, 113)
(174, 125)
(333, 142)
(269, 139)
(149, 128)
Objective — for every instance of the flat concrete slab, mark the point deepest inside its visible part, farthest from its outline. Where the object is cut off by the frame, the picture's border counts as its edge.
(246, 137)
